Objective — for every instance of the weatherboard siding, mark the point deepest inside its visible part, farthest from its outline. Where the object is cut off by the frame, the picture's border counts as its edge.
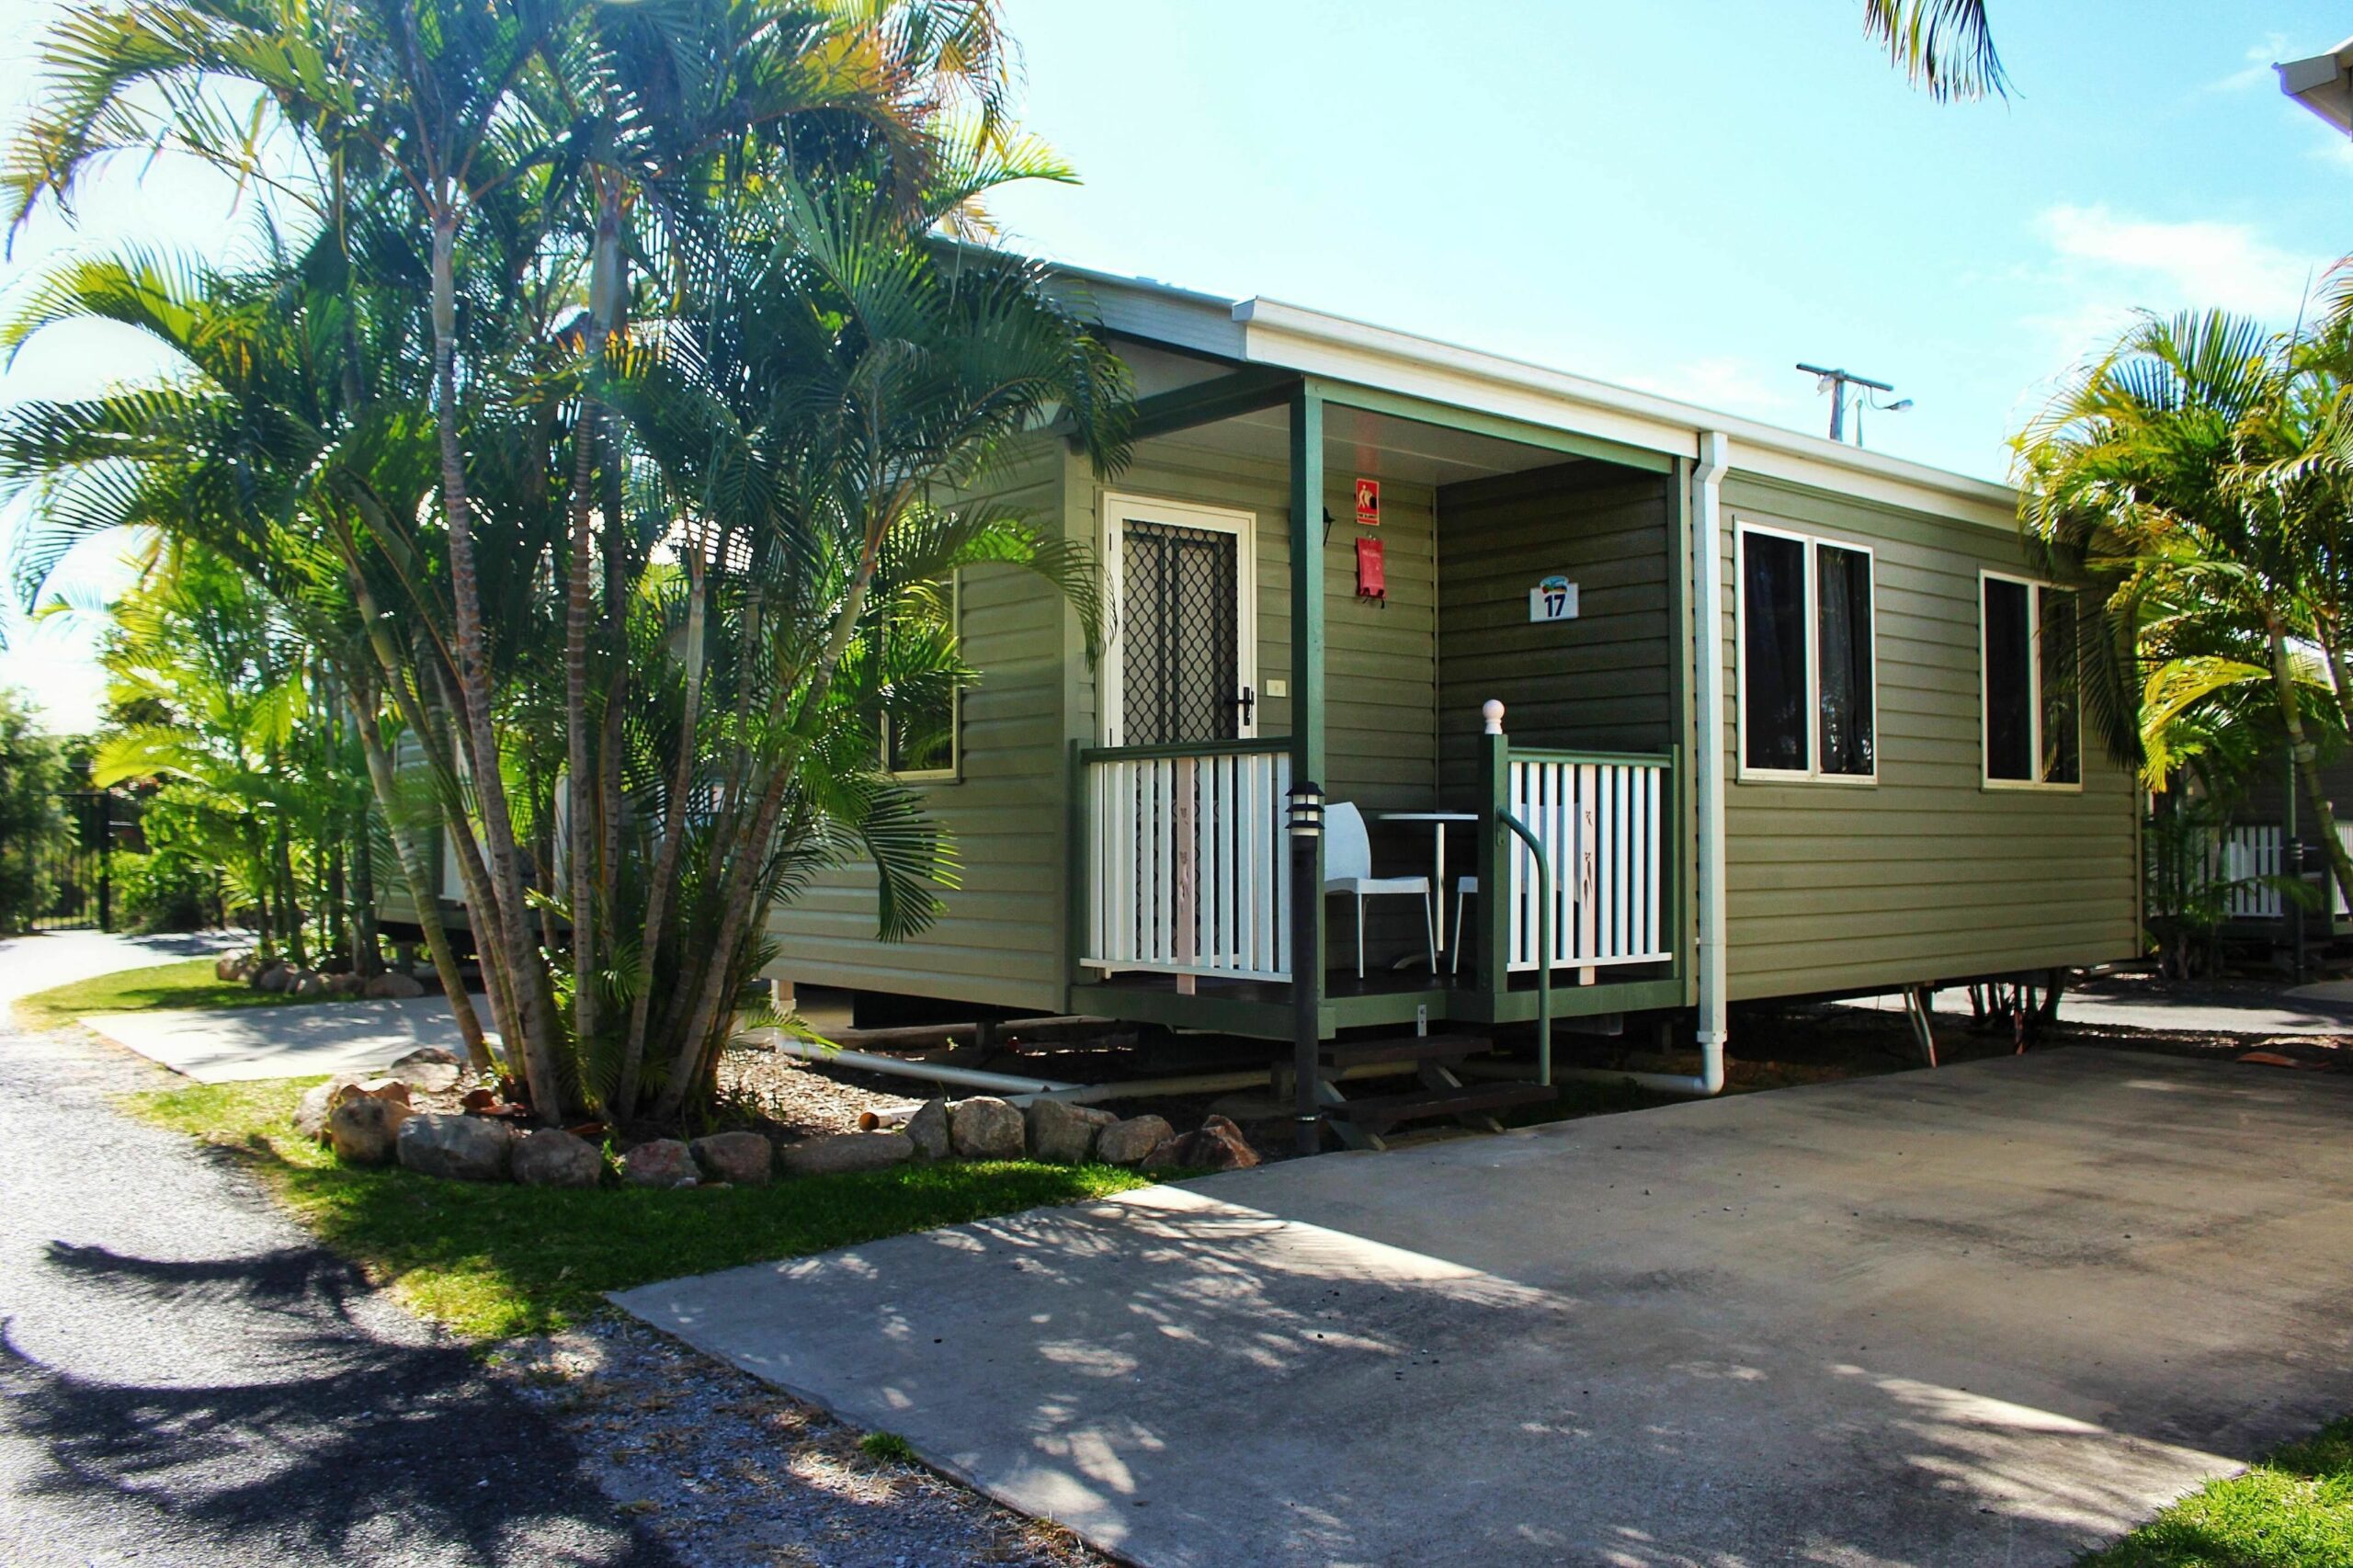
(998, 938)
(1926, 874)
(1602, 682)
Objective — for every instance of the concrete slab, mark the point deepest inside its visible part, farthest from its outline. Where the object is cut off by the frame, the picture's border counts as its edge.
(216, 1045)
(2321, 1009)
(1991, 1313)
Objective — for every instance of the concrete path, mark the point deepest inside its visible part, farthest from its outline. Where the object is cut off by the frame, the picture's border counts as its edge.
(1988, 1314)
(222, 1045)
(186, 1378)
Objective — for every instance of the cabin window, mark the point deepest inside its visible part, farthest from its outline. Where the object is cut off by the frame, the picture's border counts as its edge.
(1808, 696)
(921, 704)
(2033, 730)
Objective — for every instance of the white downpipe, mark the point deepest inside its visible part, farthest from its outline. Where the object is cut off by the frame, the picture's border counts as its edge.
(1707, 763)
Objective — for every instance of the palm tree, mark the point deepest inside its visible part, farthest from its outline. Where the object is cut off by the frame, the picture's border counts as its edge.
(1944, 46)
(2184, 474)
(834, 394)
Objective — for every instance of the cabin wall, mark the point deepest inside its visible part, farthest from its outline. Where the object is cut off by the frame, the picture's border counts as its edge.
(1927, 873)
(1380, 658)
(999, 938)
(1602, 682)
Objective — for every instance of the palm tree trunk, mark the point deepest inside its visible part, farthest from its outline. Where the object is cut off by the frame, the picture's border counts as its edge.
(2306, 758)
(748, 856)
(674, 824)
(536, 1050)
(580, 779)
(424, 893)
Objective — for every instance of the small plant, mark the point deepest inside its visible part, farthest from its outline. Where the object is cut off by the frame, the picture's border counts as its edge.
(888, 1446)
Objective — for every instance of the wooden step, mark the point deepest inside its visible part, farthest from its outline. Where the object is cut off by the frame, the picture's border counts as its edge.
(1380, 1112)
(1342, 1054)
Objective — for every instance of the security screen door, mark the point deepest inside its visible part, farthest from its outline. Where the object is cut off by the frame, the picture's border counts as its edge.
(1183, 675)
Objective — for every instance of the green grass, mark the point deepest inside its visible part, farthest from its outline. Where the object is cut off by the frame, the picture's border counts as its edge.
(493, 1261)
(2294, 1510)
(188, 983)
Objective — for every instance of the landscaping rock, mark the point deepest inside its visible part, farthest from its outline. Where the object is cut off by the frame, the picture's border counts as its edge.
(663, 1162)
(272, 976)
(1127, 1142)
(1218, 1146)
(459, 1148)
(366, 1130)
(386, 1089)
(1064, 1133)
(552, 1157)
(308, 983)
(310, 1110)
(985, 1127)
(225, 967)
(393, 985)
(833, 1151)
(428, 1068)
(345, 984)
(928, 1130)
(742, 1159)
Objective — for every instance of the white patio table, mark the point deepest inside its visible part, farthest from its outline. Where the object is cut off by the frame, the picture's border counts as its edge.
(1441, 821)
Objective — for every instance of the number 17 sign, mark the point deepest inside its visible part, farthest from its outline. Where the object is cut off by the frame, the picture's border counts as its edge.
(1554, 599)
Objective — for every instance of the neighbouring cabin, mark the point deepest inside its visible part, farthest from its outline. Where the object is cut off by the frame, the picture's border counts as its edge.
(1336, 550)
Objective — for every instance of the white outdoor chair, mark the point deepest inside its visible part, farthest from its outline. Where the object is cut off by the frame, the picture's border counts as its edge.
(1465, 888)
(1348, 869)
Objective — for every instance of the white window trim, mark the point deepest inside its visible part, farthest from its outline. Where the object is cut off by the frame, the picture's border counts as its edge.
(2035, 587)
(1116, 507)
(1812, 773)
(954, 772)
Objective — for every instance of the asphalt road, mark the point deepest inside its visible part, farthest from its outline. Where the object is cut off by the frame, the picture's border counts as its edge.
(186, 1378)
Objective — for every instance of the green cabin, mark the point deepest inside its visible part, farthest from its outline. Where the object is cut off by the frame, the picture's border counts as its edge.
(1785, 718)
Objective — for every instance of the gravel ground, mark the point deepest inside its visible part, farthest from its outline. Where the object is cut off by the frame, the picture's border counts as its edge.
(727, 1470)
(185, 1378)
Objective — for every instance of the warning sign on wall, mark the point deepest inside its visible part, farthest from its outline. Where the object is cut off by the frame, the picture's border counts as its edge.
(1368, 503)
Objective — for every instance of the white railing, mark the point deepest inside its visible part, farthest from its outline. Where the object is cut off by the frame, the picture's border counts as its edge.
(2248, 853)
(1188, 871)
(1603, 823)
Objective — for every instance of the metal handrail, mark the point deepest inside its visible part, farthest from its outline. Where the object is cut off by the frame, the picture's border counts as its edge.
(1543, 945)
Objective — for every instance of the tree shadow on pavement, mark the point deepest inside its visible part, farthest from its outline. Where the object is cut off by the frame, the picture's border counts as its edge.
(299, 1429)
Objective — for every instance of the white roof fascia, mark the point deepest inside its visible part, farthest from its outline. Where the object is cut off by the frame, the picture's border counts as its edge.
(2318, 82)
(1318, 344)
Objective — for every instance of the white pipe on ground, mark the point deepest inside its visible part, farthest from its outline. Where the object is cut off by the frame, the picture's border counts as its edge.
(1707, 777)
(891, 1066)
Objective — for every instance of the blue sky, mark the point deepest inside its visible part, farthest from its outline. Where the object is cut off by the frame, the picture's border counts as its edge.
(1685, 198)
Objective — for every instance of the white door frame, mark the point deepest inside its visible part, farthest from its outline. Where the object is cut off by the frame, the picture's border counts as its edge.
(1117, 510)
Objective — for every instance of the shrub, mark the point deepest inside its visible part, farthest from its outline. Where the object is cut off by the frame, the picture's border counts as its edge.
(32, 822)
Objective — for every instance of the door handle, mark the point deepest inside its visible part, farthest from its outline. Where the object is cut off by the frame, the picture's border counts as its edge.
(1247, 702)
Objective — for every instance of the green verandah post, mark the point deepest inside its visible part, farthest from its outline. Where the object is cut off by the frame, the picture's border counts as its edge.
(1307, 756)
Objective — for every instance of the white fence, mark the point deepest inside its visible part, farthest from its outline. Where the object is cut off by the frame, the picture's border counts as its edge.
(1187, 867)
(1604, 825)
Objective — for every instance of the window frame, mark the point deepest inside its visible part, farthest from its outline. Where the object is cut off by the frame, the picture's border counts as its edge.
(1813, 772)
(954, 772)
(2035, 588)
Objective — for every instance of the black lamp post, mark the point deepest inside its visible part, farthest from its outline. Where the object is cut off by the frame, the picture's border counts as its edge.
(1306, 902)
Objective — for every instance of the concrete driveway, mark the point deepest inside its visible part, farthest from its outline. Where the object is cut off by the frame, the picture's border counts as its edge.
(1991, 1313)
